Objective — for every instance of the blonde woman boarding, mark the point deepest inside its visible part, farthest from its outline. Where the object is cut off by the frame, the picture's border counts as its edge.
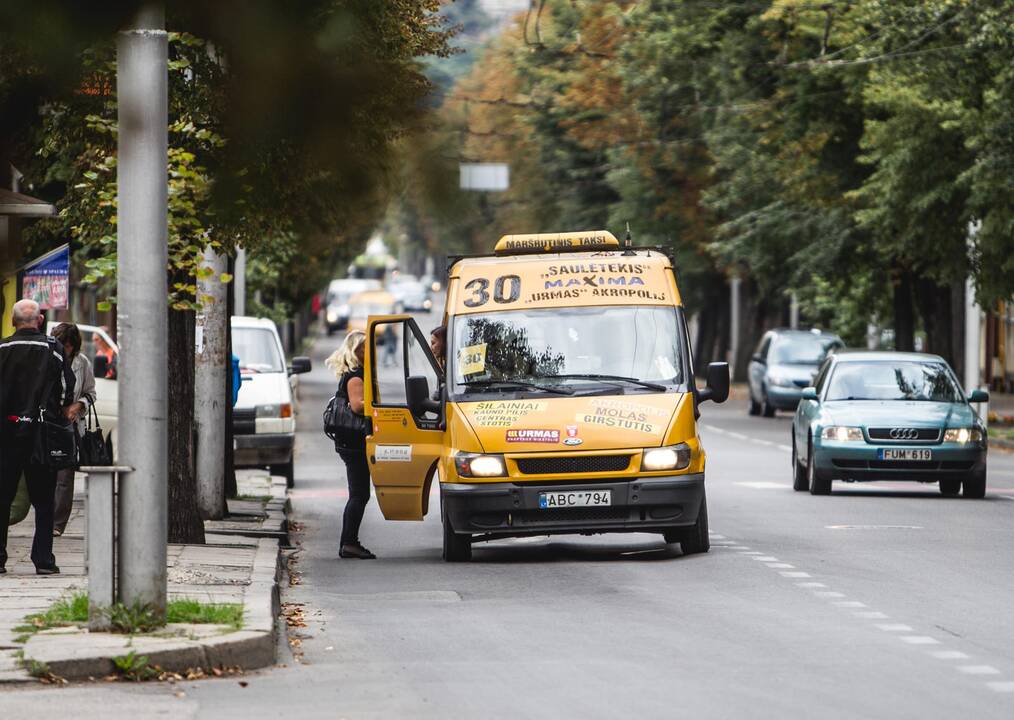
(347, 364)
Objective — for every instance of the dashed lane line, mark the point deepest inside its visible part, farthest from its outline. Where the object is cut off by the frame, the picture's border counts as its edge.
(999, 686)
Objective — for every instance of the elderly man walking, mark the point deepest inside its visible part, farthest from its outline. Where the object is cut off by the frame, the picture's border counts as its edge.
(33, 374)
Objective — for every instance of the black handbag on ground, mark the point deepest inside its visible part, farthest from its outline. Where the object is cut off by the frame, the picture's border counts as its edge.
(95, 448)
(341, 424)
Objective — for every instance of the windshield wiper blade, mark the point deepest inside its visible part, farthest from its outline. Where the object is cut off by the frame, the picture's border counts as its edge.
(519, 383)
(607, 378)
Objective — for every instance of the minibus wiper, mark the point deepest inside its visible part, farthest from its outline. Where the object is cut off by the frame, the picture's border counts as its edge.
(519, 383)
(607, 378)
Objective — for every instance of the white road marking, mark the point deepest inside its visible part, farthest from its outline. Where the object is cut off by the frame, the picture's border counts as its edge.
(766, 558)
(785, 566)
(738, 436)
(894, 627)
(786, 448)
(739, 547)
(919, 640)
(1004, 687)
(793, 574)
(949, 655)
(810, 585)
(829, 594)
(714, 429)
(763, 442)
(1006, 497)
(763, 485)
(871, 615)
(750, 552)
(849, 604)
(715, 536)
(874, 527)
(978, 670)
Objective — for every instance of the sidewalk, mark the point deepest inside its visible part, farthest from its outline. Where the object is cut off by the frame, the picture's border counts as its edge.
(232, 568)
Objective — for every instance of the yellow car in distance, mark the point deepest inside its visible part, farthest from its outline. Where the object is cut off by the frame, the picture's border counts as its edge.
(565, 401)
(371, 302)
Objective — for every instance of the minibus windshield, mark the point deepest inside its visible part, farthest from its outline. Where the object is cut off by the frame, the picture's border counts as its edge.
(630, 347)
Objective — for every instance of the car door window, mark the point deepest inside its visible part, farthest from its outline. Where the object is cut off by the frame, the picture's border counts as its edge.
(822, 376)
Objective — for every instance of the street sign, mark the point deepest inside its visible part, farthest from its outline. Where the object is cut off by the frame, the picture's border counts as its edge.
(46, 280)
(490, 177)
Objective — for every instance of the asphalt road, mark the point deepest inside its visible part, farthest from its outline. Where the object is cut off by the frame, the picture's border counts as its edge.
(883, 600)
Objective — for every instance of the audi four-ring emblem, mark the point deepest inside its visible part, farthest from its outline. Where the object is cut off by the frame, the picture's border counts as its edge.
(904, 433)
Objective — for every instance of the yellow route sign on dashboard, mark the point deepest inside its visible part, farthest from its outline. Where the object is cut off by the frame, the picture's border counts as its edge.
(472, 360)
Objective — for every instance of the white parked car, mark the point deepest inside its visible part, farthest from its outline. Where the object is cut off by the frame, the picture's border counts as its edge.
(263, 420)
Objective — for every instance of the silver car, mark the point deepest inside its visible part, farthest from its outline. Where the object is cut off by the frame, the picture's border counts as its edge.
(784, 363)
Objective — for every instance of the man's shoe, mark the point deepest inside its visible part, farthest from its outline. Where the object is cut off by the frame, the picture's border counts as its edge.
(355, 551)
(51, 570)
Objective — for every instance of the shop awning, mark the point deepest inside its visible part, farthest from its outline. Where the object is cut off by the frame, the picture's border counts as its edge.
(12, 203)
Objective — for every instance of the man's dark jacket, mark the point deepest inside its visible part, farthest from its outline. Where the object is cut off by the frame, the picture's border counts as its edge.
(29, 363)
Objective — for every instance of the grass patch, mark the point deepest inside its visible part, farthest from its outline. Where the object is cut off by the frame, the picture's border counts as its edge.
(191, 611)
(65, 611)
(131, 619)
(254, 498)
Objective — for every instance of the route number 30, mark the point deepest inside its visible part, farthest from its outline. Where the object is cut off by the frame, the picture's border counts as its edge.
(506, 289)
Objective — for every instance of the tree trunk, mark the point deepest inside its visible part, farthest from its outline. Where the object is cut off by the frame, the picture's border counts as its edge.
(185, 524)
(934, 302)
(904, 315)
(957, 301)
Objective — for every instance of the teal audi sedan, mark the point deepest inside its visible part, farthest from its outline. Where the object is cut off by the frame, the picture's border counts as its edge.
(888, 416)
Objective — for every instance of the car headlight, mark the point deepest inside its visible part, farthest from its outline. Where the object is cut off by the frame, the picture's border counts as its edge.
(676, 457)
(474, 465)
(280, 410)
(435, 286)
(427, 303)
(332, 316)
(963, 435)
(842, 433)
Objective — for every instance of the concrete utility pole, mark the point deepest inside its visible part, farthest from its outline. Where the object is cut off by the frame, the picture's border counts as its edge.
(209, 387)
(794, 311)
(142, 306)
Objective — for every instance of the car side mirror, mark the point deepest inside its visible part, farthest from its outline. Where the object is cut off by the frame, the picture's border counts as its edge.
(417, 392)
(809, 393)
(717, 388)
(300, 365)
(978, 396)
(757, 357)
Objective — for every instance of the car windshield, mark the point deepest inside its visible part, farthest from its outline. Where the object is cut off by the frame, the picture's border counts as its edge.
(619, 346)
(801, 349)
(904, 380)
(257, 350)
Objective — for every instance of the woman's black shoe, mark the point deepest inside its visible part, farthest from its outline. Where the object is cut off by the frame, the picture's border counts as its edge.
(2, 569)
(51, 570)
(355, 551)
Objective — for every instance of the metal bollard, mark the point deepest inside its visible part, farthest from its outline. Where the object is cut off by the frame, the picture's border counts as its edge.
(100, 540)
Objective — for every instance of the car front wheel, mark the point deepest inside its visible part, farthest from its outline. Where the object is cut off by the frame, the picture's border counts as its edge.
(974, 486)
(767, 409)
(694, 539)
(800, 481)
(286, 471)
(817, 484)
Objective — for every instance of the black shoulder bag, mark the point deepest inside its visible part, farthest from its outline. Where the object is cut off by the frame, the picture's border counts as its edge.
(95, 447)
(341, 424)
(55, 438)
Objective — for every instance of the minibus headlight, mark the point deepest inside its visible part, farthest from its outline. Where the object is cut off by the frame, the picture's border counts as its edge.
(841, 433)
(473, 465)
(963, 435)
(676, 457)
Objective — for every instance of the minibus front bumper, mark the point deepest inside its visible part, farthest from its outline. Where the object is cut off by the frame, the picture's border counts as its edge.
(511, 509)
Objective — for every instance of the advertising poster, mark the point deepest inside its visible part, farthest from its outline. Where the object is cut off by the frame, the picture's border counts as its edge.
(46, 280)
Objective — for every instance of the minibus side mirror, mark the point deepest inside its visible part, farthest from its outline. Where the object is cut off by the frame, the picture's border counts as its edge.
(717, 388)
(978, 396)
(417, 393)
(809, 393)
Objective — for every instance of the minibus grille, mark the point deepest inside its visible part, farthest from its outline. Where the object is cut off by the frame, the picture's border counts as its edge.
(562, 515)
(572, 464)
